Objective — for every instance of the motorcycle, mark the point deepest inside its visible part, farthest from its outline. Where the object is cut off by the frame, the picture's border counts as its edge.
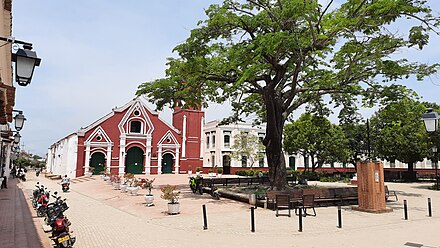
(60, 224)
(42, 203)
(195, 183)
(64, 239)
(65, 187)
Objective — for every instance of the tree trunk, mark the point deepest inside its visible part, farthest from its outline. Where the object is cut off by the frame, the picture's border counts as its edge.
(273, 141)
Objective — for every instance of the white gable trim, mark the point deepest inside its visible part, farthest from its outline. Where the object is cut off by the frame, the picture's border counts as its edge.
(96, 132)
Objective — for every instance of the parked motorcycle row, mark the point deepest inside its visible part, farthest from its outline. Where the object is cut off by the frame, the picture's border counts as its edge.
(53, 213)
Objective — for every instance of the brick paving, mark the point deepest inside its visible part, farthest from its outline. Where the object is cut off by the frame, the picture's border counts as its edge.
(104, 217)
(18, 226)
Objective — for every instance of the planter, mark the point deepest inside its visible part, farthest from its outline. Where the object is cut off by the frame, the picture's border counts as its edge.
(117, 185)
(133, 190)
(212, 174)
(123, 188)
(190, 173)
(173, 208)
(198, 173)
(149, 200)
(88, 174)
(219, 175)
(106, 178)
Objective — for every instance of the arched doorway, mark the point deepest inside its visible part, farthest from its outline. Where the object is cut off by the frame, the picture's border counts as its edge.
(167, 163)
(134, 161)
(97, 162)
(226, 164)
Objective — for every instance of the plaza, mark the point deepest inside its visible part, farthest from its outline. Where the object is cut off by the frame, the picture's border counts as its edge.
(104, 217)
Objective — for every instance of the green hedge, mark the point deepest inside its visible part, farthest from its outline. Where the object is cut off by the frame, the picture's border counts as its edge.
(249, 173)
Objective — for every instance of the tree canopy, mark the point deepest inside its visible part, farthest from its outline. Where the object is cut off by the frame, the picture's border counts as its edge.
(316, 138)
(399, 134)
(271, 57)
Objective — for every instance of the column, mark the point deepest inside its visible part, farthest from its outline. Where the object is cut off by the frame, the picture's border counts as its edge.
(184, 137)
(147, 161)
(177, 166)
(87, 162)
(122, 155)
(109, 157)
(159, 160)
(202, 140)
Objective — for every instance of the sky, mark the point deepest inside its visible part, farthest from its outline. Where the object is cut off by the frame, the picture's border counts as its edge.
(95, 53)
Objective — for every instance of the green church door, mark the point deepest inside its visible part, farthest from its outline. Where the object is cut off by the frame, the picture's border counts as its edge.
(167, 164)
(134, 162)
(97, 162)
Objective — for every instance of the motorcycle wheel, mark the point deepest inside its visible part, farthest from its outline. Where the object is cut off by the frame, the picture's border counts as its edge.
(40, 212)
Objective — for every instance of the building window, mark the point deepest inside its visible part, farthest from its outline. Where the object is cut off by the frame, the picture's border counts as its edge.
(243, 161)
(135, 127)
(261, 161)
(227, 140)
(292, 162)
(137, 113)
(98, 138)
(213, 140)
(212, 160)
(207, 140)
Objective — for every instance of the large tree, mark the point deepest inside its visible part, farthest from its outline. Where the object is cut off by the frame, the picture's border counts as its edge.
(271, 57)
(399, 134)
(315, 137)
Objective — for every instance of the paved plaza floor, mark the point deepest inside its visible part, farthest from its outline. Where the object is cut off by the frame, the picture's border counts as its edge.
(104, 217)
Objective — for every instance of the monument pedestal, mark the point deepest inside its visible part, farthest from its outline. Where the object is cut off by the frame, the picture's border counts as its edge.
(371, 188)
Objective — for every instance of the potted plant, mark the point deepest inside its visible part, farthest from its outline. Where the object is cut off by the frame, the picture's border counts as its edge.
(190, 172)
(211, 173)
(116, 182)
(219, 172)
(149, 198)
(198, 169)
(134, 187)
(170, 194)
(127, 178)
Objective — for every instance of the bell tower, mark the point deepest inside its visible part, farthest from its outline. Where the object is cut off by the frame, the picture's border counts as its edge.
(190, 123)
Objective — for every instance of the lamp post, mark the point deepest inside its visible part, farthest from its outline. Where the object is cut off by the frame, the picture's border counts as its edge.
(25, 61)
(430, 119)
(19, 120)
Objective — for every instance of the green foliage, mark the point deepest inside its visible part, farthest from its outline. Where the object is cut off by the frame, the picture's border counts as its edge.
(170, 193)
(249, 173)
(398, 132)
(315, 137)
(247, 145)
(271, 57)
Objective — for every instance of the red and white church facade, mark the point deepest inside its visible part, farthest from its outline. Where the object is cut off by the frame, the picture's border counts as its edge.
(131, 139)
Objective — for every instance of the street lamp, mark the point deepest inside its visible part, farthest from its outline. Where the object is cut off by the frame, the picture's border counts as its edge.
(17, 138)
(19, 120)
(430, 118)
(25, 61)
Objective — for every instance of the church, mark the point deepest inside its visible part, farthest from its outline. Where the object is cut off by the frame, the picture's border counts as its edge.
(131, 139)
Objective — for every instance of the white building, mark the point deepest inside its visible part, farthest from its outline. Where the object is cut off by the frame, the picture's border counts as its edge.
(217, 146)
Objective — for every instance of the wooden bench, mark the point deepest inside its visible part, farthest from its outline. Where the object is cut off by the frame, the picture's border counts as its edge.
(322, 196)
(389, 193)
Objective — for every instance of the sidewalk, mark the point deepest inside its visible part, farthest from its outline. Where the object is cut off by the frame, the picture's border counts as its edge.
(104, 217)
(18, 225)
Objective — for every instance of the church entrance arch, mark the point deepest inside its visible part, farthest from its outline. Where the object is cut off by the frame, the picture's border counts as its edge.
(134, 161)
(167, 163)
(97, 162)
